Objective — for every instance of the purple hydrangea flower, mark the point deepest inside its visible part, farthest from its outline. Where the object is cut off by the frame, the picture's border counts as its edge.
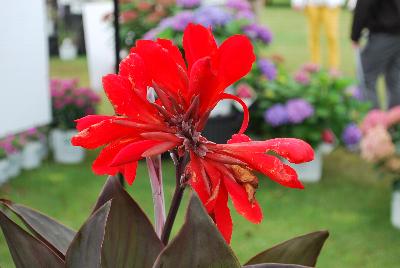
(239, 5)
(245, 14)
(181, 20)
(352, 135)
(355, 92)
(267, 68)
(276, 115)
(212, 16)
(188, 3)
(259, 32)
(299, 110)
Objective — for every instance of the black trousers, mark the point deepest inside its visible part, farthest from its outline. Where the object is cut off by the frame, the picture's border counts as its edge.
(382, 56)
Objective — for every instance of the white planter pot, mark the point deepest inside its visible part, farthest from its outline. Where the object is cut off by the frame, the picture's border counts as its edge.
(311, 171)
(14, 167)
(32, 155)
(44, 150)
(395, 213)
(64, 151)
(4, 165)
(68, 50)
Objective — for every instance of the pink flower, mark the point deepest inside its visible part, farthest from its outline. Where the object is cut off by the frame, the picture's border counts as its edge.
(311, 67)
(302, 77)
(376, 145)
(374, 118)
(393, 116)
(244, 91)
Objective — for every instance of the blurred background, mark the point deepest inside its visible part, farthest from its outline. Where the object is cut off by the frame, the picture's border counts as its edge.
(53, 54)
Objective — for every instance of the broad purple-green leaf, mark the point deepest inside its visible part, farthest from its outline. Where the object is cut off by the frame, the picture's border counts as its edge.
(275, 265)
(26, 250)
(198, 244)
(111, 188)
(302, 250)
(55, 235)
(85, 249)
(130, 240)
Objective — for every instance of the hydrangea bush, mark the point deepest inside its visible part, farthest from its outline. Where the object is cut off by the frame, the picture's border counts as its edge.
(70, 102)
(308, 104)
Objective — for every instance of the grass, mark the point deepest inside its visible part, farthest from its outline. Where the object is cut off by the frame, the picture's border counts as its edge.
(352, 201)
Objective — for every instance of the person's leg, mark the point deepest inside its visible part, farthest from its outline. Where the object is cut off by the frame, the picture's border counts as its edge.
(392, 74)
(331, 25)
(370, 63)
(374, 60)
(313, 20)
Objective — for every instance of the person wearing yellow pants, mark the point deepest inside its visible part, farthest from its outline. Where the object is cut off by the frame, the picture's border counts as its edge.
(322, 13)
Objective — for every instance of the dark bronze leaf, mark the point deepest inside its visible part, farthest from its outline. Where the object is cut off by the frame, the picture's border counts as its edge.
(55, 235)
(198, 244)
(85, 249)
(26, 250)
(302, 250)
(130, 240)
(275, 265)
(111, 188)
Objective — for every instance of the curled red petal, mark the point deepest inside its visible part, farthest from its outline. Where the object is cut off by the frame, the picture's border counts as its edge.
(249, 210)
(222, 215)
(132, 152)
(90, 120)
(198, 42)
(246, 116)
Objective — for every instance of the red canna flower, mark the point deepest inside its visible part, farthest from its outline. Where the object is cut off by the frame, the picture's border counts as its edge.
(187, 91)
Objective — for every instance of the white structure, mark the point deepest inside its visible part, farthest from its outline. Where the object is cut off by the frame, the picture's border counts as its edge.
(99, 41)
(24, 74)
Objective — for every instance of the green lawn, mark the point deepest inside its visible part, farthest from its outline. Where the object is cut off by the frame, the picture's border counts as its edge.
(352, 201)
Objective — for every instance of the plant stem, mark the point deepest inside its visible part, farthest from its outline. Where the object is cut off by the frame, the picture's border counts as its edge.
(176, 199)
(156, 182)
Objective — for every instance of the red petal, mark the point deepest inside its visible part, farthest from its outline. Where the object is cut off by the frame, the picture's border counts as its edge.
(202, 82)
(102, 133)
(162, 67)
(132, 152)
(198, 42)
(125, 101)
(238, 138)
(129, 172)
(251, 211)
(222, 215)
(173, 50)
(159, 148)
(233, 60)
(90, 120)
(133, 67)
(294, 150)
(198, 180)
(272, 167)
(101, 165)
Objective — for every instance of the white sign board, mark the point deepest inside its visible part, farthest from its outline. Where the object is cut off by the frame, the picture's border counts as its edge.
(24, 74)
(99, 41)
